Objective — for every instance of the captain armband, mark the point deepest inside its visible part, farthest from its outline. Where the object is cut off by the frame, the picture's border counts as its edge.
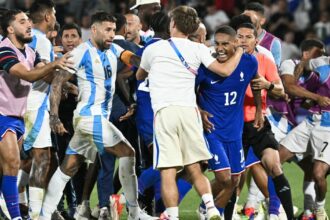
(125, 57)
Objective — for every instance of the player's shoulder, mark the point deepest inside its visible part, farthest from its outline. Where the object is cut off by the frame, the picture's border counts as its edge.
(320, 61)
(289, 63)
(249, 59)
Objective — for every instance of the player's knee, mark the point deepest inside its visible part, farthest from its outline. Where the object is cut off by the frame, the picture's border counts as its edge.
(224, 181)
(10, 165)
(318, 176)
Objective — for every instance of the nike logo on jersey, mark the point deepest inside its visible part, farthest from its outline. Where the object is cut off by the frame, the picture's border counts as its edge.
(214, 82)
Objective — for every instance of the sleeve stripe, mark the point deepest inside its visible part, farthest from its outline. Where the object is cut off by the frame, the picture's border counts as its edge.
(7, 51)
(7, 57)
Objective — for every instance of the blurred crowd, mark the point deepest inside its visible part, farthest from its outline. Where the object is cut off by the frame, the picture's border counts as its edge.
(290, 20)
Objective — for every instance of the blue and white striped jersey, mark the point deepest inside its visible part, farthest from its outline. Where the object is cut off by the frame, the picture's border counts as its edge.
(96, 74)
(38, 96)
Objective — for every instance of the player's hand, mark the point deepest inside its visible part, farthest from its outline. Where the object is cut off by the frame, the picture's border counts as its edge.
(207, 125)
(65, 63)
(130, 112)
(259, 120)
(260, 83)
(58, 49)
(56, 125)
(323, 101)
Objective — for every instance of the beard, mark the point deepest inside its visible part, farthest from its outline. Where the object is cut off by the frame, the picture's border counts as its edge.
(20, 37)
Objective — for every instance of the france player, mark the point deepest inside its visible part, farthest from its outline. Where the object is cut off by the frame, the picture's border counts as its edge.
(223, 98)
(96, 65)
(17, 63)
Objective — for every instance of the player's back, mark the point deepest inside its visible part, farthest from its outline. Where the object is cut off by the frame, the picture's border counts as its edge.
(171, 83)
(223, 97)
(38, 96)
(96, 75)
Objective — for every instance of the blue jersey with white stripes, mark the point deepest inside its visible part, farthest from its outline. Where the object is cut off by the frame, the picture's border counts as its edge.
(96, 75)
(223, 97)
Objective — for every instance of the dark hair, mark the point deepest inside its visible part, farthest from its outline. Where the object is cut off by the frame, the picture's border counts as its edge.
(120, 21)
(160, 22)
(99, 17)
(69, 27)
(57, 27)
(185, 19)
(239, 19)
(37, 9)
(255, 6)
(225, 29)
(310, 43)
(249, 26)
(6, 18)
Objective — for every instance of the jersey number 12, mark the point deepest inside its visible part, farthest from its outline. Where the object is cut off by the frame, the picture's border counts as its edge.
(230, 98)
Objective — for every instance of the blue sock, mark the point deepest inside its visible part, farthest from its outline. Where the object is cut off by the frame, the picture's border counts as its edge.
(147, 179)
(274, 201)
(159, 205)
(183, 187)
(10, 193)
(221, 210)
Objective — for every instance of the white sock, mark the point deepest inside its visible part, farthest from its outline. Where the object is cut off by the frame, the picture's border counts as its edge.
(54, 193)
(22, 178)
(320, 204)
(253, 194)
(208, 200)
(128, 181)
(36, 196)
(22, 198)
(172, 213)
(309, 195)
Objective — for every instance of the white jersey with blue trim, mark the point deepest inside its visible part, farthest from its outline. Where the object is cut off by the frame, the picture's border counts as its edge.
(96, 73)
(38, 96)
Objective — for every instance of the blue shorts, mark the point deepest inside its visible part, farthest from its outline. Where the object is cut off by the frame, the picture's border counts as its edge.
(13, 124)
(251, 158)
(145, 130)
(226, 155)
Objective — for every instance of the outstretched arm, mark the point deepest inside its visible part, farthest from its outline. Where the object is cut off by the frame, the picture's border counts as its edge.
(41, 71)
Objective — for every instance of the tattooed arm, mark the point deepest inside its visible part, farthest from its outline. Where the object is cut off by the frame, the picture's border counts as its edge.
(55, 97)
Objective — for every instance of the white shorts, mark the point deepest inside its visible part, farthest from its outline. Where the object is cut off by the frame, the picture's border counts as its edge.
(37, 129)
(91, 135)
(320, 140)
(298, 140)
(178, 137)
(280, 124)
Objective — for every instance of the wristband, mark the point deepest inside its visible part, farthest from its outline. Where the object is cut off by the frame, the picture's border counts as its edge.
(271, 87)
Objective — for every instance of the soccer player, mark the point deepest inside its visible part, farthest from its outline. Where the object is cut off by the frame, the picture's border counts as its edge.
(70, 38)
(314, 129)
(223, 98)
(18, 62)
(96, 65)
(262, 141)
(300, 88)
(38, 134)
(172, 66)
